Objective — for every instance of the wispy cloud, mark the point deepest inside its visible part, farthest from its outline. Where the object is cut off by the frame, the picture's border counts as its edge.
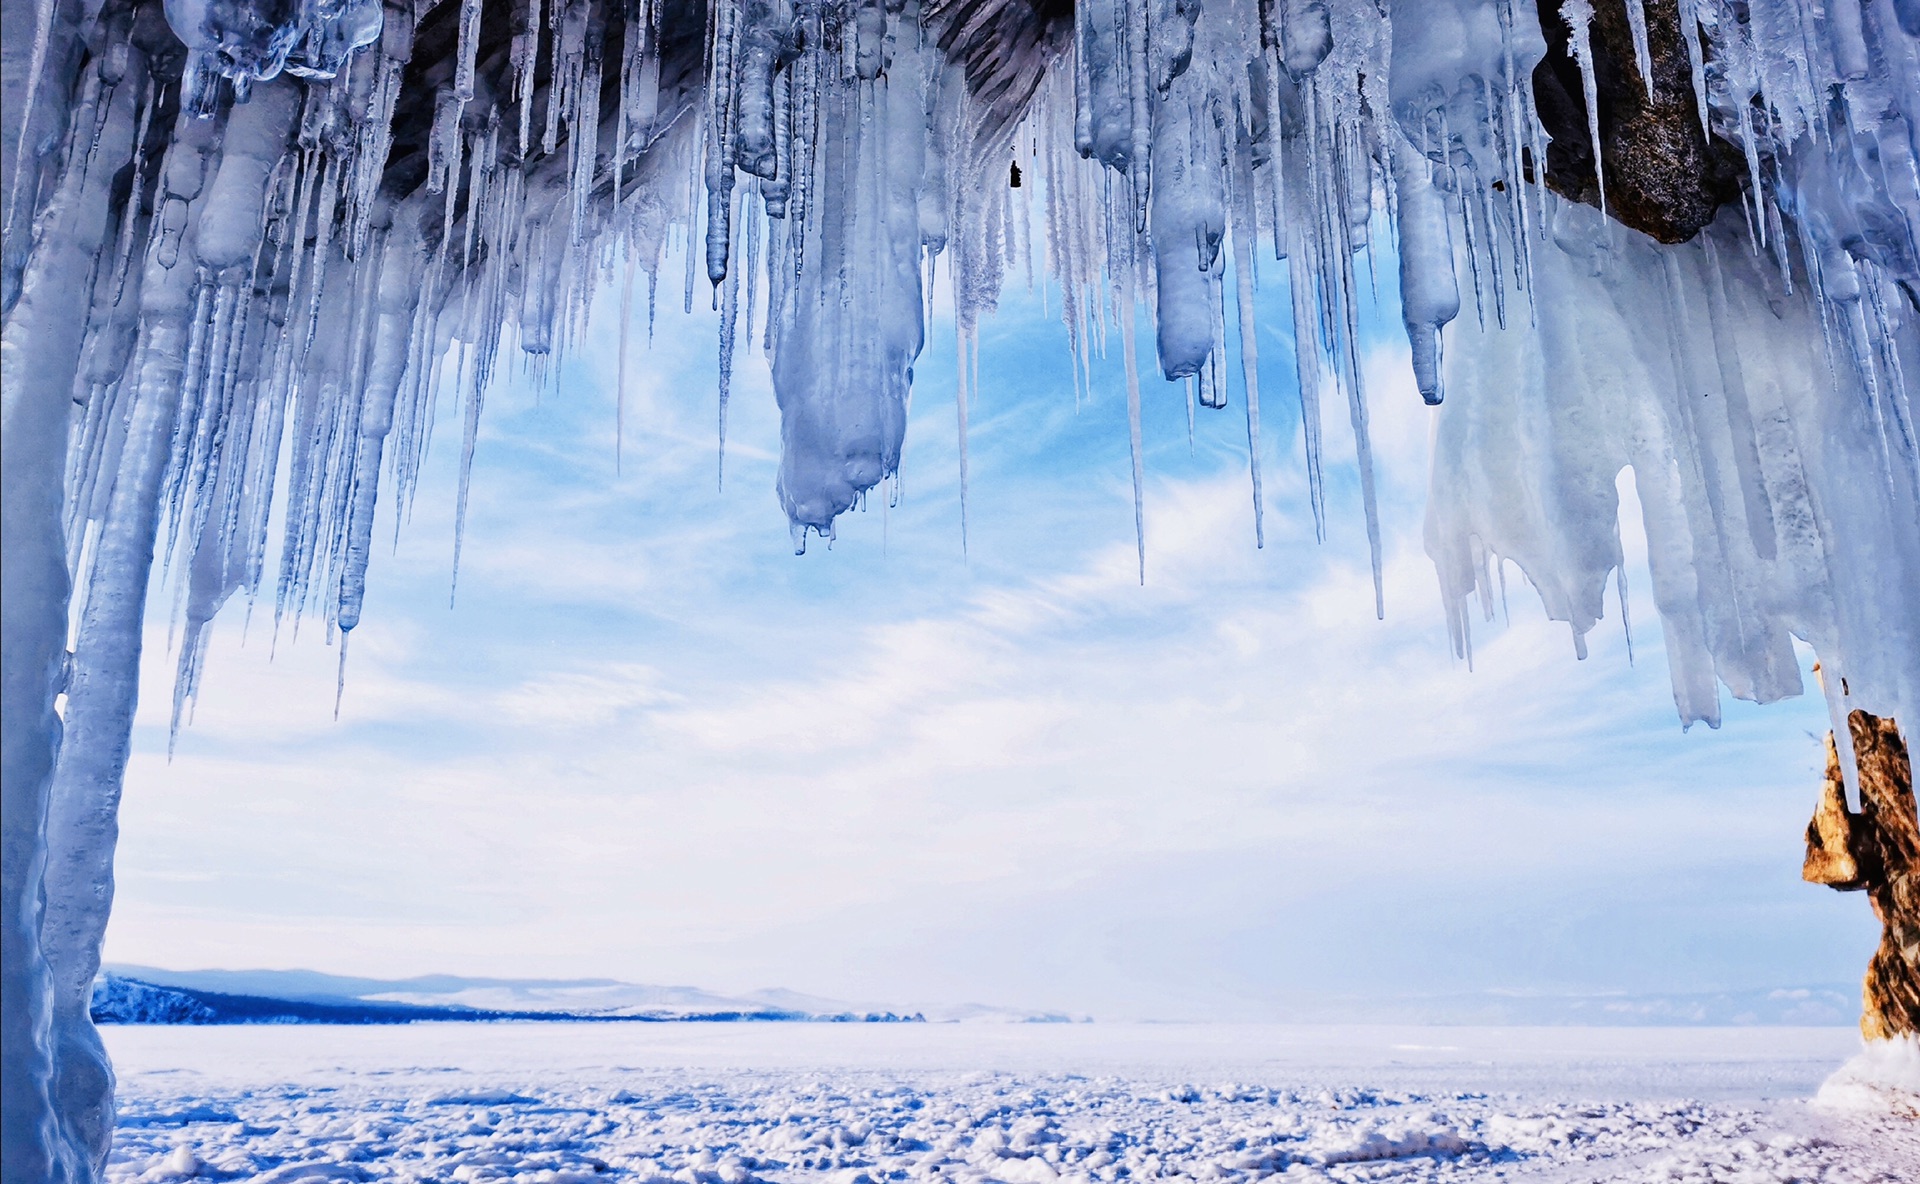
(651, 743)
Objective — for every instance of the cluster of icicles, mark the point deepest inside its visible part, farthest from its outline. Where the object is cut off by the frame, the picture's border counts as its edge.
(824, 156)
(841, 154)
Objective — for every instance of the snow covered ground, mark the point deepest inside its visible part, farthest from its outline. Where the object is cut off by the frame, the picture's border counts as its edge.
(971, 1103)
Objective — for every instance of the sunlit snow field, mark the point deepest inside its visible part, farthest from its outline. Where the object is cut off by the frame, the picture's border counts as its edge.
(971, 1103)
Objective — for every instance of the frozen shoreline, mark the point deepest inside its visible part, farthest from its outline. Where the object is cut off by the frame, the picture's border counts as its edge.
(972, 1103)
(1722, 1063)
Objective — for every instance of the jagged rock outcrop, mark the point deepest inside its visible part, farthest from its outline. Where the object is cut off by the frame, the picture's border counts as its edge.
(1876, 851)
(1665, 177)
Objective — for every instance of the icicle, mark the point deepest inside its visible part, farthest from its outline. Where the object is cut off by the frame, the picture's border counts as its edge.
(1306, 355)
(1691, 33)
(1245, 231)
(720, 145)
(103, 666)
(124, 241)
(1429, 294)
(729, 298)
(752, 277)
(397, 292)
(25, 164)
(469, 439)
(526, 54)
(961, 398)
(443, 141)
(1189, 224)
(762, 35)
(1130, 354)
(1626, 617)
(1139, 155)
(1642, 56)
(583, 143)
(1578, 15)
(776, 190)
(340, 676)
(469, 48)
(620, 371)
(565, 24)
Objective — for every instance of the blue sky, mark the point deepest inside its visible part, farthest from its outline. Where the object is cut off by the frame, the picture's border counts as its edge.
(651, 743)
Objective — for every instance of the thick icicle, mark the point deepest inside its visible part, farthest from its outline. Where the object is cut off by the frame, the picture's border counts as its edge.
(1429, 295)
(40, 351)
(849, 325)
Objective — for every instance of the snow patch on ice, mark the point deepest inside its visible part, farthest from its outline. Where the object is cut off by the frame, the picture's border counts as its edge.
(784, 1114)
(1419, 1135)
(1884, 1078)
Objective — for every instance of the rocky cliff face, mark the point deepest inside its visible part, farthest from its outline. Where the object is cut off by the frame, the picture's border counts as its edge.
(1876, 851)
(1664, 175)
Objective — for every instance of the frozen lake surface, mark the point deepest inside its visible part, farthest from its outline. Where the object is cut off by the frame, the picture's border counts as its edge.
(973, 1103)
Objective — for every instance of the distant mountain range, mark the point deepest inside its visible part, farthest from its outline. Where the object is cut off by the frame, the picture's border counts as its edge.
(125, 994)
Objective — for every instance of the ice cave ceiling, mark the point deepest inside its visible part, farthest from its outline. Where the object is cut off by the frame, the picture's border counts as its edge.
(253, 244)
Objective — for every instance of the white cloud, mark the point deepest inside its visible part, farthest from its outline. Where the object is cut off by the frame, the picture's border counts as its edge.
(648, 744)
(582, 699)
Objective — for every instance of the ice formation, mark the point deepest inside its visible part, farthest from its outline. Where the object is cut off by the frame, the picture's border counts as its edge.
(251, 245)
(1883, 1078)
(1027, 1104)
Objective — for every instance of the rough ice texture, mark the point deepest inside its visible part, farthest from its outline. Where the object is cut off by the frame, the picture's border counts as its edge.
(255, 251)
(1017, 1104)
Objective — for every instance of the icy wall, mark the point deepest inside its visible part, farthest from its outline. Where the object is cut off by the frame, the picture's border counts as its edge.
(254, 249)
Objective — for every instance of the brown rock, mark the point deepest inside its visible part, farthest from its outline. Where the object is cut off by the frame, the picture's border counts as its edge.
(1877, 851)
(1831, 834)
(1665, 177)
